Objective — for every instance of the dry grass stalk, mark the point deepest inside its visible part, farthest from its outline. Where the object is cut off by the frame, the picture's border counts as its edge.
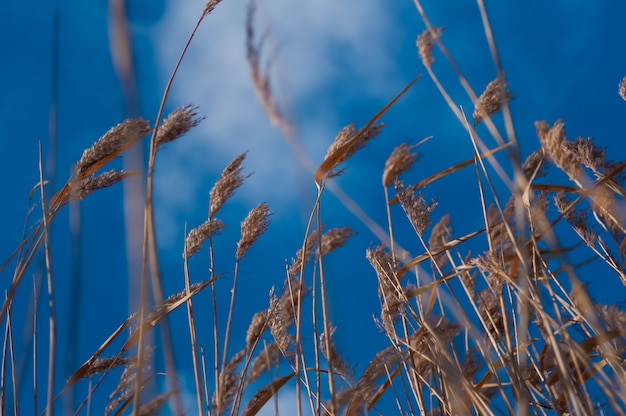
(389, 289)
(154, 406)
(426, 347)
(335, 361)
(178, 123)
(425, 45)
(255, 225)
(196, 237)
(228, 383)
(106, 364)
(401, 160)
(268, 358)
(492, 100)
(304, 256)
(577, 219)
(260, 78)
(365, 389)
(226, 185)
(263, 395)
(439, 236)
(95, 183)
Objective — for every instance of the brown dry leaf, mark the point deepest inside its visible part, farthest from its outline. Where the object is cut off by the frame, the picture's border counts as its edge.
(264, 394)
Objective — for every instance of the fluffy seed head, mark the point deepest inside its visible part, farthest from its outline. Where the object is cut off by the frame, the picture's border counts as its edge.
(554, 143)
(80, 191)
(334, 238)
(415, 207)
(114, 141)
(347, 143)
(196, 237)
(401, 160)
(226, 185)
(492, 100)
(178, 123)
(425, 45)
(255, 224)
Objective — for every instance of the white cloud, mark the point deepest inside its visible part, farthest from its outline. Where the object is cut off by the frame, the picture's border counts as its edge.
(316, 40)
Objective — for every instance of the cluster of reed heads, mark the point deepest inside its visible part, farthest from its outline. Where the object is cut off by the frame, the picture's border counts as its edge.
(510, 328)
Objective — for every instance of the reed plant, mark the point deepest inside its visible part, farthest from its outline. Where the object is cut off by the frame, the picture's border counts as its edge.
(506, 327)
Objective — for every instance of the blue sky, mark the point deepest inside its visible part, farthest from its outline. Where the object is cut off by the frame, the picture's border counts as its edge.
(338, 62)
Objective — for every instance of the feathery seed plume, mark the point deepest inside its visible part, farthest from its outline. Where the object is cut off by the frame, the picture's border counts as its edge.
(415, 208)
(258, 325)
(196, 237)
(425, 46)
(492, 99)
(335, 360)
(333, 239)
(554, 142)
(226, 185)
(81, 190)
(255, 224)
(210, 5)
(401, 160)
(178, 123)
(348, 142)
(622, 88)
(268, 358)
(114, 141)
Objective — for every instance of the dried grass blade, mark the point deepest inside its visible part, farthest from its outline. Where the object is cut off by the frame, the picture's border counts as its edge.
(383, 388)
(264, 394)
(130, 399)
(167, 307)
(333, 160)
(423, 257)
(442, 174)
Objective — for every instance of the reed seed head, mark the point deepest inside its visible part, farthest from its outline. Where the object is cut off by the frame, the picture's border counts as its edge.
(622, 88)
(554, 143)
(401, 160)
(255, 225)
(226, 185)
(415, 207)
(425, 45)
(114, 141)
(210, 5)
(178, 123)
(257, 327)
(80, 191)
(348, 142)
(196, 237)
(334, 238)
(492, 100)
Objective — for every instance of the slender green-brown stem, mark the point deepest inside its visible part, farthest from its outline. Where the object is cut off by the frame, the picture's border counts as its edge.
(52, 342)
(298, 307)
(194, 342)
(149, 257)
(325, 318)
